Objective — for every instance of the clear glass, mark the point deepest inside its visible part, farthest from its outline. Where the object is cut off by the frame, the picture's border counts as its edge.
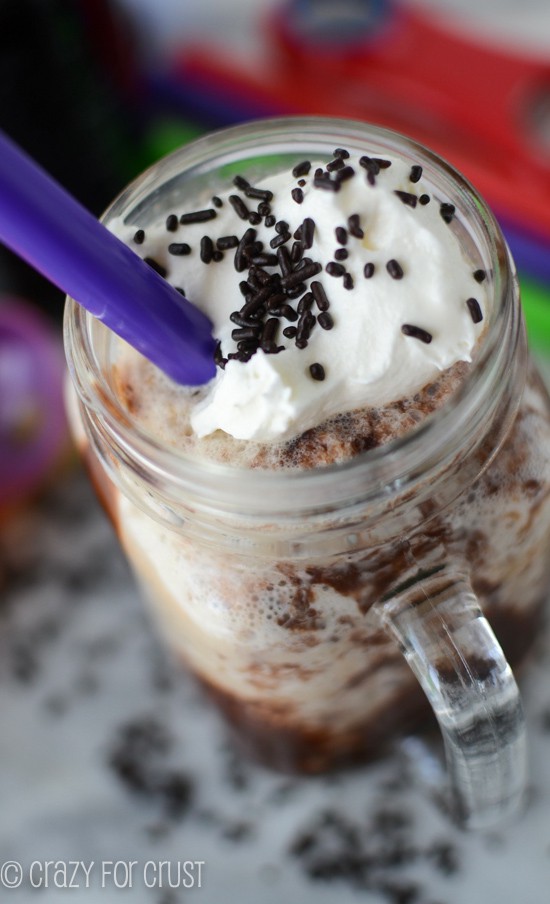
(306, 601)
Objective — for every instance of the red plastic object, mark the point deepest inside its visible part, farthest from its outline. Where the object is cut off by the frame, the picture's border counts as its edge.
(481, 108)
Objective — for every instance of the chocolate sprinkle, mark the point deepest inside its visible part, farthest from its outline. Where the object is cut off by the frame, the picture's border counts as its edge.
(219, 359)
(320, 296)
(265, 260)
(416, 332)
(235, 317)
(198, 216)
(395, 269)
(179, 248)
(305, 303)
(139, 237)
(251, 250)
(259, 275)
(287, 312)
(268, 334)
(296, 252)
(162, 271)
(409, 199)
(479, 275)
(207, 249)
(273, 297)
(258, 194)
(344, 174)
(248, 347)
(317, 371)
(140, 760)
(246, 240)
(305, 325)
(308, 231)
(225, 242)
(241, 182)
(424, 199)
(246, 332)
(251, 307)
(279, 240)
(239, 207)
(217, 202)
(276, 301)
(354, 226)
(323, 180)
(447, 211)
(283, 258)
(372, 167)
(335, 269)
(301, 169)
(325, 320)
(475, 310)
(297, 276)
(296, 291)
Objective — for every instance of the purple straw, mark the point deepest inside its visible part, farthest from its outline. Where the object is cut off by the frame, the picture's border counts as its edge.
(44, 225)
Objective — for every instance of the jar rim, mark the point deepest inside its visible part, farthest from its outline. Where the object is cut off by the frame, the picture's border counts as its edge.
(378, 473)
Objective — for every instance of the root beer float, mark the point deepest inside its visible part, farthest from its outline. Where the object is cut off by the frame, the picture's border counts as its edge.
(368, 467)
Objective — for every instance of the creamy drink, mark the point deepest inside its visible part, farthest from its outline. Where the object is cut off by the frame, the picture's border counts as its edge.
(350, 293)
(365, 463)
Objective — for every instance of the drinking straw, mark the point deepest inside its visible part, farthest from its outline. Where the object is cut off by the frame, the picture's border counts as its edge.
(49, 229)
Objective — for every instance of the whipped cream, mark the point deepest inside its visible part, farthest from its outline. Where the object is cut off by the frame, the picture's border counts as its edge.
(403, 300)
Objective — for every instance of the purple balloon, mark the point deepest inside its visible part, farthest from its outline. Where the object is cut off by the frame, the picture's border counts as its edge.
(33, 428)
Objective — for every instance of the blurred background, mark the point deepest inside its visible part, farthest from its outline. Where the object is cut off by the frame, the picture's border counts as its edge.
(96, 90)
(103, 751)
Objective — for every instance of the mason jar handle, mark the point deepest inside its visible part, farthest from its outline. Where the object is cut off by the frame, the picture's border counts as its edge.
(452, 650)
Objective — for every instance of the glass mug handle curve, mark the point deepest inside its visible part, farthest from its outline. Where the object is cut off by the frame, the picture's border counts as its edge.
(453, 652)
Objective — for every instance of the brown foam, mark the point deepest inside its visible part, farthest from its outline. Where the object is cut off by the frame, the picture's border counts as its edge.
(263, 730)
(143, 392)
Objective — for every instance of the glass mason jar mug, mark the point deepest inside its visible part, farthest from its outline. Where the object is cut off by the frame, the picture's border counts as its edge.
(314, 604)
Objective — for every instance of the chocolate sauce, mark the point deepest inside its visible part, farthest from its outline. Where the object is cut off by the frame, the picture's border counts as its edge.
(266, 734)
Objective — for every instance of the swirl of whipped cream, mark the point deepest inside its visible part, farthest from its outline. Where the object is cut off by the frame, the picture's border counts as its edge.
(385, 300)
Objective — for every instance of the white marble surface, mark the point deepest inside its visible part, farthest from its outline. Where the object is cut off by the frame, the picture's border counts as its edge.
(107, 753)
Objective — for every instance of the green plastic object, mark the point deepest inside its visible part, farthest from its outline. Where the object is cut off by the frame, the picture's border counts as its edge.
(535, 298)
(166, 135)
